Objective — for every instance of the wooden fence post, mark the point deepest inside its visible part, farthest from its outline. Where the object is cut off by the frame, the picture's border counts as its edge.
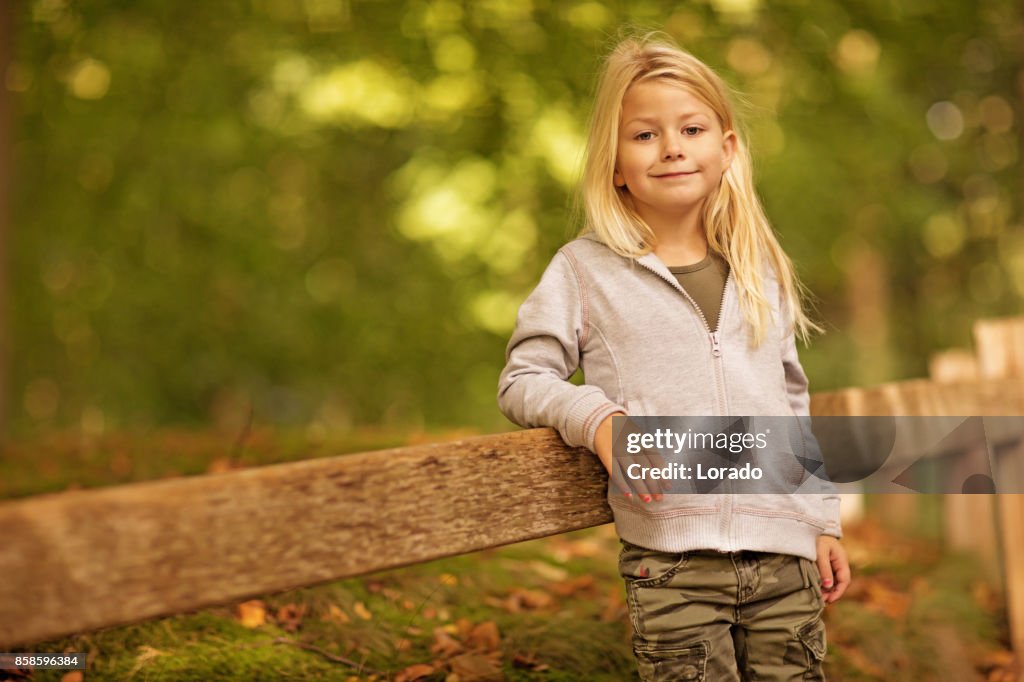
(1000, 348)
(969, 521)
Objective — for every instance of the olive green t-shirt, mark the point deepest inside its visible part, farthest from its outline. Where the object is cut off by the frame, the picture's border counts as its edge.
(705, 283)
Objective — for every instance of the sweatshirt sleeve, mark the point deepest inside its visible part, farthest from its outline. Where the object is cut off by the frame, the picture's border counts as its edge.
(544, 351)
(800, 400)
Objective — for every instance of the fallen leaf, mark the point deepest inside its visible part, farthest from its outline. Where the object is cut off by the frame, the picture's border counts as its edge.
(528, 662)
(335, 615)
(520, 599)
(477, 667)
(547, 571)
(219, 466)
(360, 610)
(290, 616)
(403, 644)
(252, 613)
(72, 676)
(484, 636)
(567, 588)
(445, 645)
(414, 672)
(448, 579)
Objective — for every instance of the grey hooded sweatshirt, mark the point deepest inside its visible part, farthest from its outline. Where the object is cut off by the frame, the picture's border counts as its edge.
(645, 349)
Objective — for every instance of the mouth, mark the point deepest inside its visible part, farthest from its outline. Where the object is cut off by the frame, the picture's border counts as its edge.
(680, 174)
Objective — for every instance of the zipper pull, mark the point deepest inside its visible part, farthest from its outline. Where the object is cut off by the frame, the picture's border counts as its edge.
(716, 348)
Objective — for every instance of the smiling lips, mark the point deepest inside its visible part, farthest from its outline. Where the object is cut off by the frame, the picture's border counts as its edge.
(678, 174)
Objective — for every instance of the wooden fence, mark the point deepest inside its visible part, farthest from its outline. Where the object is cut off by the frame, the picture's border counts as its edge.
(81, 560)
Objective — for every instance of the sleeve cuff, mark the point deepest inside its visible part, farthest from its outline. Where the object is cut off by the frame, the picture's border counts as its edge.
(585, 416)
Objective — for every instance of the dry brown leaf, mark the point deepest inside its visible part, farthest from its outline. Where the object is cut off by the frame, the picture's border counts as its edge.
(547, 571)
(477, 667)
(403, 644)
(72, 676)
(360, 610)
(567, 588)
(484, 636)
(528, 662)
(463, 626)
(414, 672)
(335, 615)
(448, 579)
(289, 616)
(252, 613)
(445, 645)
(520, 599)
(219, 466)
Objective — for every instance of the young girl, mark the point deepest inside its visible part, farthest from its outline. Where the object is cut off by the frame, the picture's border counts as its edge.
(678, 300)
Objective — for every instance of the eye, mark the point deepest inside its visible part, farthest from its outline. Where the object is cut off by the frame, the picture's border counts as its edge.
(692, 130)
(644, 136)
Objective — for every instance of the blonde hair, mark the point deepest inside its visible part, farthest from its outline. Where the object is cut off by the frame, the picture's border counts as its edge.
(734, 221)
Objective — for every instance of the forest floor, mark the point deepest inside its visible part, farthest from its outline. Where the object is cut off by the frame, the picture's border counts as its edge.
(549, 609)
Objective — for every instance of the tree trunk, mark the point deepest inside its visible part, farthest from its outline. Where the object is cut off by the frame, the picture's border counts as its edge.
(6, 149)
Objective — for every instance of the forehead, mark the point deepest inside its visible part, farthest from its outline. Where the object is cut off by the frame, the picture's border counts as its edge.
(661, 98)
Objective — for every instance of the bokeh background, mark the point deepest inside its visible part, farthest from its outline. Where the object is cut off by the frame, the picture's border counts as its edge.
(328, 211)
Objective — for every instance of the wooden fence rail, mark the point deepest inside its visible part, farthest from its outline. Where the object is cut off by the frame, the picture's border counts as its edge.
(82, 560)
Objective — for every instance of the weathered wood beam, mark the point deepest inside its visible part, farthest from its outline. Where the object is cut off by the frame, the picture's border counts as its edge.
(81, 560)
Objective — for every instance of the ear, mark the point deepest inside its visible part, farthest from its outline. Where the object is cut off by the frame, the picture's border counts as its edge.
(729, 142)
(617, 179)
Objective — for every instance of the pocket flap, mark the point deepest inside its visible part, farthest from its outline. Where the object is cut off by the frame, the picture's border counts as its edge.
(813, 636)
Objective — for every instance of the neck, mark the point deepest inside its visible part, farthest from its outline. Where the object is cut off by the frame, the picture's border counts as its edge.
(679, 238)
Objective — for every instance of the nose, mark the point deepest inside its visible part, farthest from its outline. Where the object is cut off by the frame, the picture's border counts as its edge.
(672, 147)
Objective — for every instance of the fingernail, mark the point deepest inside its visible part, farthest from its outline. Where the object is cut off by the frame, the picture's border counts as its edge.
(647, 498)
(629, 494)
(827, 583)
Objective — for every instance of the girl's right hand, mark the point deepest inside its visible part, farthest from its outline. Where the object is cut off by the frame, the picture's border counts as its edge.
(603, 446)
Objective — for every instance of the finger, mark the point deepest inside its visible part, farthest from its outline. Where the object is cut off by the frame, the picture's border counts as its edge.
(825, 571)
(837, 592)
(842, 578)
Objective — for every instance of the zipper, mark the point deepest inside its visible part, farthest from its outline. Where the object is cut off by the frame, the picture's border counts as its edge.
(716, 352)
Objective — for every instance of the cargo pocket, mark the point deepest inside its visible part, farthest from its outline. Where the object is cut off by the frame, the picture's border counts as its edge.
(812, 635)
(644, 567)
(672, 662)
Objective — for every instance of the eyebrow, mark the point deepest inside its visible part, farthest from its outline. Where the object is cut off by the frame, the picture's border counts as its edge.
(646, 119)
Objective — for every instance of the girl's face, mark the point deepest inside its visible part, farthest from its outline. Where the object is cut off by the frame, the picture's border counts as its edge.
(671, 151)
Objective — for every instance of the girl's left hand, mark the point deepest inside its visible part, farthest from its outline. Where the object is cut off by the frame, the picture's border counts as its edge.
(833, 567)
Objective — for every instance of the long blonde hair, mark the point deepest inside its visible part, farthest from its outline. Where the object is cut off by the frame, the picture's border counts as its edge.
(734, 221)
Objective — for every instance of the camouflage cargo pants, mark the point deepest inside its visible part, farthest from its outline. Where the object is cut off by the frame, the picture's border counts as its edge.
(724, 616)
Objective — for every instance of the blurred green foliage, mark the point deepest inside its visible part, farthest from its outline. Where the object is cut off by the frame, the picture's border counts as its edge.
(329, 210)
